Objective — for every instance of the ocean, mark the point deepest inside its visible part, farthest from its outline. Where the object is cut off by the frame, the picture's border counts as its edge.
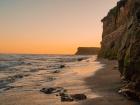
(31, 72)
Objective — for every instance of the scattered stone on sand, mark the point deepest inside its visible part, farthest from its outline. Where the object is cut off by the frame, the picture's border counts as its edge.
(56, 71)
(73, 97)
(62, 66)
(79, 97)
(49, 79)
(130, 94)
(51, 90)
(65, 97)
(129, 90)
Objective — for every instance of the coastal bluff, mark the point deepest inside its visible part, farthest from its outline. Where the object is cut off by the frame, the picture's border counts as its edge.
(87, 51)
(121, 41)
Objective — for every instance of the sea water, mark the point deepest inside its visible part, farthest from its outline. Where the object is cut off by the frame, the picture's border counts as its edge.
(30, 72)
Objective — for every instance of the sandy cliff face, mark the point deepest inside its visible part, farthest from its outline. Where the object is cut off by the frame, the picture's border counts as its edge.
(121, 40)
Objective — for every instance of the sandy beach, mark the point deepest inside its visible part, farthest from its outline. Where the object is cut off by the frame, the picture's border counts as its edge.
(106, 82)
(99, 82)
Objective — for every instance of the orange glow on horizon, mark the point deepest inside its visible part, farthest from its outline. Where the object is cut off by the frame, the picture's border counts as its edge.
(40, 47)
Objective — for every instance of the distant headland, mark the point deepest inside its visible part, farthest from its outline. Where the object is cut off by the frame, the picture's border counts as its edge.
(87, 50)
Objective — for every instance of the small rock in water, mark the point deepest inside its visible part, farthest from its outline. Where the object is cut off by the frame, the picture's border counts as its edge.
(56, 71)
(8, 88)
(51, 90)
(62, 66)
(47, 90)
(80, 59)
(49, 79)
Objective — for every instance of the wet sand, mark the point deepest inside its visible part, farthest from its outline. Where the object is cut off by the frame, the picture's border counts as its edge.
(106, 83)
(100, 85)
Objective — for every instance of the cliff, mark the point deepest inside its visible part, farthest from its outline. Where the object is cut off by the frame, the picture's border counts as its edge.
(87, 51)
(121, 41)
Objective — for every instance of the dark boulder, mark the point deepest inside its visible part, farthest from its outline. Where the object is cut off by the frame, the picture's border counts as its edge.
(51, 90)
(72, 97)
(56, 71)
(62, 66)
(79, 97)
(66, 98)
(80, 59)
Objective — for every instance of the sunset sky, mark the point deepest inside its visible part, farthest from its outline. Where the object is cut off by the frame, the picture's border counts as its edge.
(51, 26)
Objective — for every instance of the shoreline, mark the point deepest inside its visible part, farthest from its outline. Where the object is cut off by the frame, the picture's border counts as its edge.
(99, 84)
(106, 82)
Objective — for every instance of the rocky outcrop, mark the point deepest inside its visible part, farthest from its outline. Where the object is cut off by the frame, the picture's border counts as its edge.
(87, 51)
(64, 95)
(121, 40)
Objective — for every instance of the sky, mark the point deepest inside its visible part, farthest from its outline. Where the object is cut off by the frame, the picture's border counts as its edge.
(51, 26)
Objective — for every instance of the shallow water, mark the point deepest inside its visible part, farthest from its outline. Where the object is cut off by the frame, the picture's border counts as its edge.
(31, 72)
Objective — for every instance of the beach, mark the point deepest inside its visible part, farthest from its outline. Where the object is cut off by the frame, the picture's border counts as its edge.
(98, 79)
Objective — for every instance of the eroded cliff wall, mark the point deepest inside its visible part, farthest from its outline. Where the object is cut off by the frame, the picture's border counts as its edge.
(121, 40)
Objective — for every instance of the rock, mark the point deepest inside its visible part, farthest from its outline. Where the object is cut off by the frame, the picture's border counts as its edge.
(121, 41)
(65, 97)
(51, 90)
(18, 76)
(49, 79)
(72, 97)
(8, 88)
(131, 94)
(47, 90)
(62, 66)
(79, 97)
(80, 59)
(56, 71)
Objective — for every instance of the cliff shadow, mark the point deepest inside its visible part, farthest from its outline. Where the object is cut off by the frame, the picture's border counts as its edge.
(105, 83)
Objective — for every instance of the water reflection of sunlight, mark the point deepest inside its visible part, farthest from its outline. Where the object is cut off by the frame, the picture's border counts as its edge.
(90, 67)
